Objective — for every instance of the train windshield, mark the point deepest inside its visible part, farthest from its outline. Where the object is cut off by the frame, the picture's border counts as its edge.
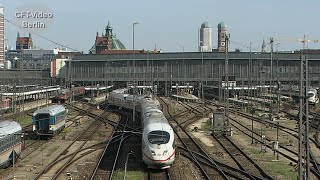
(158, 137)
(41, 117)
(310, 94)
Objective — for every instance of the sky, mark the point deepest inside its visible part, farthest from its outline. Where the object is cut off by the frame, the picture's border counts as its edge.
(171, 25)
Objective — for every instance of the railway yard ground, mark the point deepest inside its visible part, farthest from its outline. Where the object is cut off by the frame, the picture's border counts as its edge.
(94, 145)
(41, 152)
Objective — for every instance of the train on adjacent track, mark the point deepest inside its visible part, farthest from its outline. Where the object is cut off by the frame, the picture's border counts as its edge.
(65, 94)
(49, 120)
(313, 94)
(158, 147)
(5, 104)
(10, 142)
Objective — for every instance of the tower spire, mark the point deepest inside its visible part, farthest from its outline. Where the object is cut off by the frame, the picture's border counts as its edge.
(109, 30)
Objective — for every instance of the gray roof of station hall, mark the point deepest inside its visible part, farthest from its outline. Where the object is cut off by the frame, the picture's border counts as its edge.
(190, 55)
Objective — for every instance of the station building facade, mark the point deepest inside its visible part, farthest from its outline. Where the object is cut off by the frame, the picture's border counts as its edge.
(190, 67)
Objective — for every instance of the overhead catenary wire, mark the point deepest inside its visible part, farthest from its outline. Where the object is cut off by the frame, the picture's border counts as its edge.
(43, 37)
(245, 46)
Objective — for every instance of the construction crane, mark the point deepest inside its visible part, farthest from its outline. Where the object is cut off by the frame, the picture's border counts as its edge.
(303, 40)
(304, 149)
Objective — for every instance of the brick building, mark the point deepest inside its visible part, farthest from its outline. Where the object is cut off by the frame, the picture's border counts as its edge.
(24, 42)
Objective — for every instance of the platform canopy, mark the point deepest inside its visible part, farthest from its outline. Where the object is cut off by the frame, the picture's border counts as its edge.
(90, 88)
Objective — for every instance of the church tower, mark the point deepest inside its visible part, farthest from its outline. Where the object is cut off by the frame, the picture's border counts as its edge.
(205, 38)
(222, 33)
(24, 42)
(109, 36)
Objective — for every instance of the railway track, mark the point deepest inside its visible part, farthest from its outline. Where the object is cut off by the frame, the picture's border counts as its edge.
(58, 161)
(159, 174)
(316, 166)
(257, 138)
(209, 168)
(243, 161)
(293, 133)
(34, 141)
(240, 158)
(107, 164)
(122, 152)
(314, 122)
(67, 156)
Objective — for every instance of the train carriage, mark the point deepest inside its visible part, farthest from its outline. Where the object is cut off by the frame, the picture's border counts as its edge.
(49, 120)
(10, 142)
(120, 98)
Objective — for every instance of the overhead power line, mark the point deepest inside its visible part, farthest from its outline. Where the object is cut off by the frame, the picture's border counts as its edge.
(245, 46)
(43, 37)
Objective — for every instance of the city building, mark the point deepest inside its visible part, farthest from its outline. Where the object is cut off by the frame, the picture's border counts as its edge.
(24, 42)
(2, 54)
(58, 69)
(205, 44)
(106, 42)
(222, 34)
(34, 59)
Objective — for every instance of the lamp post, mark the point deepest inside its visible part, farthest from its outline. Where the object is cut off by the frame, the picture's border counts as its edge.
(251, 91)
(183, 64)
(271, 79)
(125, 166)
(278, 81)
(134, 73)
(14, 91)
(202, 69)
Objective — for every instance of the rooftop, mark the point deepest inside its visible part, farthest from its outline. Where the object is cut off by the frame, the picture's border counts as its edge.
(205, 25)
(222, 25)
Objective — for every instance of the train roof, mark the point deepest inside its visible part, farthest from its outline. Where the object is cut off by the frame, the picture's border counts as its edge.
(9, 127)
(64, 90)
(120, 91)
(157, 126)
(52, 110)
(154, 117)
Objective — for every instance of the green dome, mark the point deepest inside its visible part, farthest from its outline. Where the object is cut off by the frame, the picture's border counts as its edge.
(222, 25)
(205, 25)
(117, 44)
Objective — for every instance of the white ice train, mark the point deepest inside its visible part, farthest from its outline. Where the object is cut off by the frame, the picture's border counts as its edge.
(158, 148)
(314, 99)
(294, 92)
(120, 98)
